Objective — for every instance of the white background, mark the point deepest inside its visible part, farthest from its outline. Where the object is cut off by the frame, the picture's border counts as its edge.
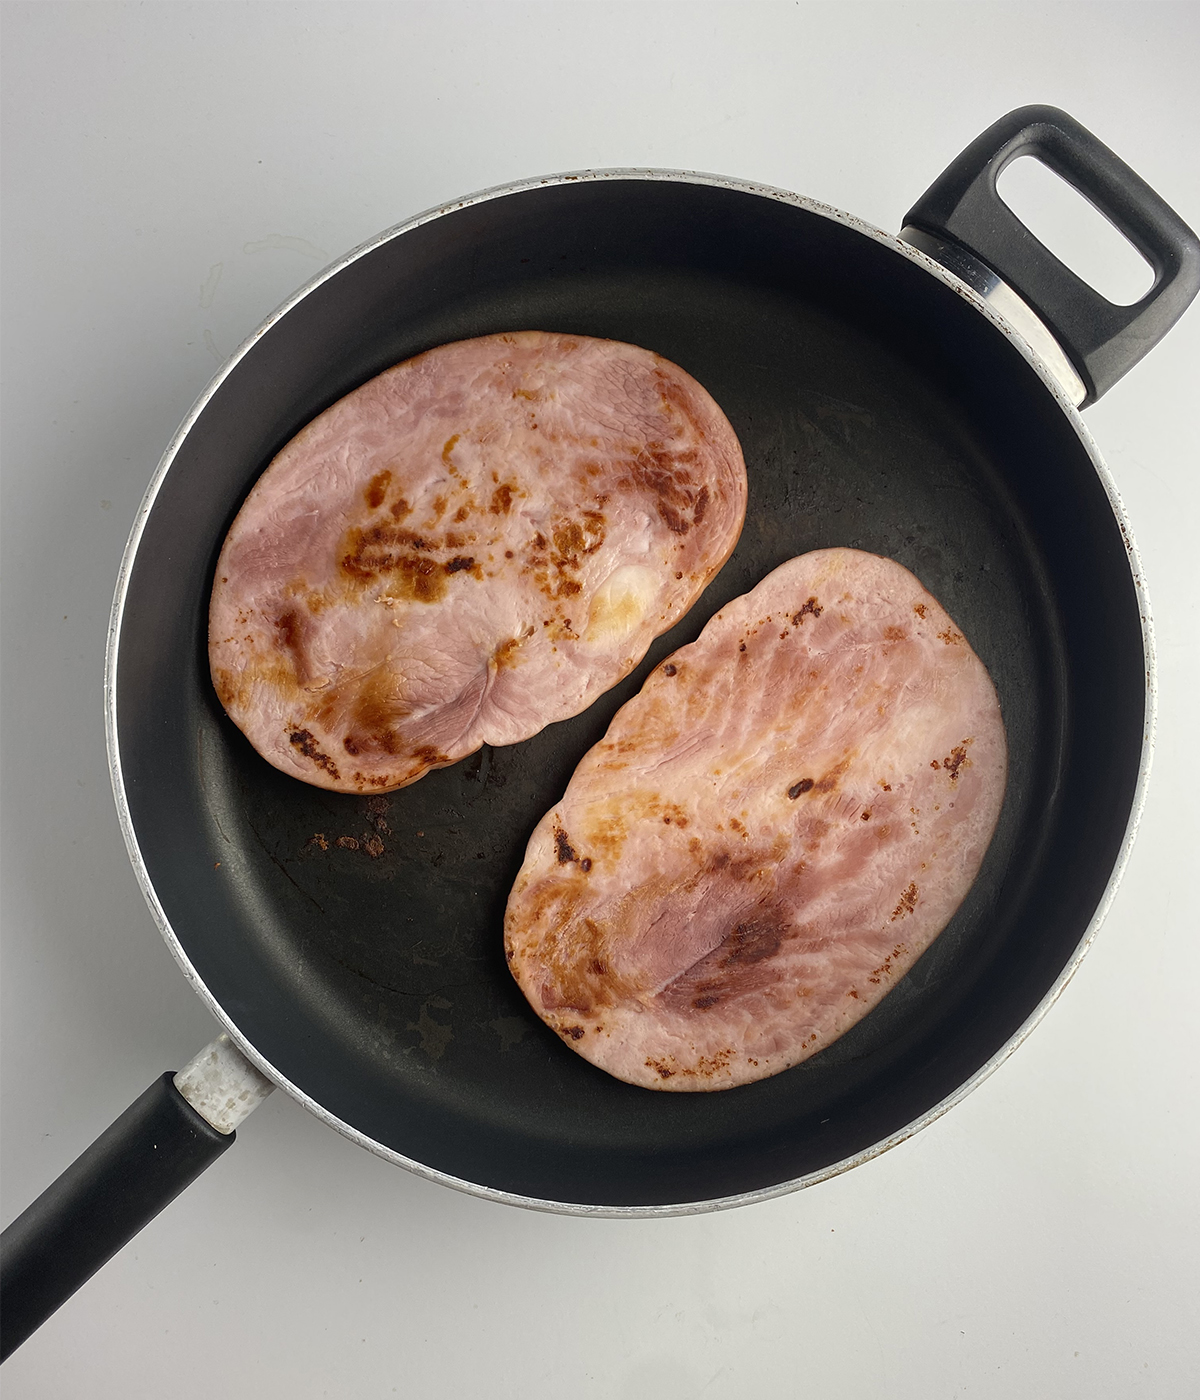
(172, 172)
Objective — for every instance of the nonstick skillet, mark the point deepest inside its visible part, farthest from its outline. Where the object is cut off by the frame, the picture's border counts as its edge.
(914, 396)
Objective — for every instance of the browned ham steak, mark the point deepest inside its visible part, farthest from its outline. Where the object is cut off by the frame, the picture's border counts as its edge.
(477, 542)
(768, 836)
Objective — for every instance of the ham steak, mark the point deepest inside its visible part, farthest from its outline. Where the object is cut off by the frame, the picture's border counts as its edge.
(769, 835)
(477, 542)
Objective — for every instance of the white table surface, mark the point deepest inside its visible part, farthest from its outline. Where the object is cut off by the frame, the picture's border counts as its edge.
(172, 172)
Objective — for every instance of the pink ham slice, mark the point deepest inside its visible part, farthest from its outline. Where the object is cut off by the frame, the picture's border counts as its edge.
(477, 542)
(768, 836)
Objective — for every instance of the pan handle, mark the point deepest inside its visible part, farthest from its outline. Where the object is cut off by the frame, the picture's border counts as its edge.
(159, 1145)
(1102, 340)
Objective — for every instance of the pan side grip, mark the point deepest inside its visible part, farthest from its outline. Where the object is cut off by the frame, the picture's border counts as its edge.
(963, 208)
(135, 1169)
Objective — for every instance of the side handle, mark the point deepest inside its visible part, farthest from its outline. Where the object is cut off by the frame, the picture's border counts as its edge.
(159, 1145)
(1103, 340)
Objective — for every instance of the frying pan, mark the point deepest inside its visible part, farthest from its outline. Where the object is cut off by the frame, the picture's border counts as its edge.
(915, 396)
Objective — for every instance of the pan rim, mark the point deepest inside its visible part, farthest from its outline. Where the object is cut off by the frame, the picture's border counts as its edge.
(897, 245)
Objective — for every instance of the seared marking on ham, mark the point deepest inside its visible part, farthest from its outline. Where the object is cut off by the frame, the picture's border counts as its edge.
(769, 835)
(475, 543)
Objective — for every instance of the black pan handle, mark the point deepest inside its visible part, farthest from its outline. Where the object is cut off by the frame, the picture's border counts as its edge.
(159, 1145)
(1103, 340)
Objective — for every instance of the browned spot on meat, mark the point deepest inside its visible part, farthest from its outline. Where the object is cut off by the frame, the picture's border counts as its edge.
(741, 646)
(593, 531)
(449, 447)
(401, 557)
(374, 710)
(383, 550)
(348, 843)
(526, 394)
(737, 966)
(574, 958)
(800, 788)
(672, 519)
(669, 669)
(562, 844)
(908, 902)
(709, 1065)
(506, 655)
(568, 538)
(752, 942)
(568, 588)
(399, 509)
(950, 637)
(866, 816)
(919, 609)
(461, 513)
(663, 474)
(376, 491)
(430, 756)
(585, 864)
(933, 763)
(956, 759)
(677, 396)
(810, 607)
(502, 499)
(663, 1071)
(308, 746)
(508, 554)
(289, 625)
(852, 993)
(422, 580)
(828, 782)
(894, 634)
(887, 787)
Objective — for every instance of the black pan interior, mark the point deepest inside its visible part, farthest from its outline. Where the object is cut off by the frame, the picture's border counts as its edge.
(876, 409)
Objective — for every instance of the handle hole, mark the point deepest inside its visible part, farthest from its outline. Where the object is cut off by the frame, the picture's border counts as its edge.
(1075, 231)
